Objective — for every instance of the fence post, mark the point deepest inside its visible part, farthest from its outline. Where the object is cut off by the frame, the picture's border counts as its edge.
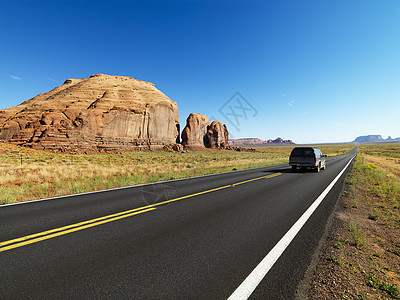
(21, 159)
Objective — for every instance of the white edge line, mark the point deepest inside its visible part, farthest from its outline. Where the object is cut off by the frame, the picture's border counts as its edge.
(247, 287)
(135, 186)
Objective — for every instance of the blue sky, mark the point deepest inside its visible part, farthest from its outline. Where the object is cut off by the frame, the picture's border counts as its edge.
(310, 71)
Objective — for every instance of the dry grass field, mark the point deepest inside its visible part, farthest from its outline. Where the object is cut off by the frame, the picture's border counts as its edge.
(27, 174)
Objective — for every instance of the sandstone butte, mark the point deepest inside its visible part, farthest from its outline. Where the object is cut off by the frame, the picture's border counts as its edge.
(217, 135)
(99, 113)
(193, 135)
(198, 133)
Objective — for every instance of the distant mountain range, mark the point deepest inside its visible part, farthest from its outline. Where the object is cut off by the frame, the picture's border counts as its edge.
(374, 139)
(256, 141)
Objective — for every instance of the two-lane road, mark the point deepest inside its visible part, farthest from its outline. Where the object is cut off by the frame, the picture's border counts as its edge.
(198, 238)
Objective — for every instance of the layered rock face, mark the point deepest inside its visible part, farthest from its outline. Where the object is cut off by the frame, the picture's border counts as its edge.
(102, 112)
(193, 135)
(200, 133)
(217, 135)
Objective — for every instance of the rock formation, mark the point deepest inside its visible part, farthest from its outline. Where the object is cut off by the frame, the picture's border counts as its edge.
(193, 135)
(200, 133)
(279, 141)
(246, 141)
(216, 136)
(174, 148)
(256, 141)
(374, 139)
(102, 112)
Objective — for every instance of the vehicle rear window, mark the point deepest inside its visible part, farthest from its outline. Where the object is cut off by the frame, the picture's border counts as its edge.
(302, 152)
(297, 152)
(308, 152)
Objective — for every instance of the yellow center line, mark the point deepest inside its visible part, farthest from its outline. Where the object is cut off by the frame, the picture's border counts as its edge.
(71, 230)
(37, 237)
(215, 189)
(68, 226)
(267, 176)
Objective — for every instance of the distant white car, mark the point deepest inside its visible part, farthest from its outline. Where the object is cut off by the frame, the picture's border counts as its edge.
(307, 157)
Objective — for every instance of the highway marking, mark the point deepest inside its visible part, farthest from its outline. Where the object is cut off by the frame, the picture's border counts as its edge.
(247, 287)
(48, 234)
(66, 227)
(216, 189)
(46, 237)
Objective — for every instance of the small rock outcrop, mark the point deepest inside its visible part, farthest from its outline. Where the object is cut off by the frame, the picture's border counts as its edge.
(99, 113)
(174, 148)
(200, 133)
(217, 135)
(193, 135)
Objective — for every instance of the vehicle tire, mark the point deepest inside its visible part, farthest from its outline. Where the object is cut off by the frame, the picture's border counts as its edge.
(318, 168)
(324, 167)
(294, 169)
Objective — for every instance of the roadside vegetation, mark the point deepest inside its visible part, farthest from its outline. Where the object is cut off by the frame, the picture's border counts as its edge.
(27, 174)
(361, 259)
(328, 149)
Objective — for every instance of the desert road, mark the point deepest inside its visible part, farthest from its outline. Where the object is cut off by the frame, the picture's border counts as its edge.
(237, 235)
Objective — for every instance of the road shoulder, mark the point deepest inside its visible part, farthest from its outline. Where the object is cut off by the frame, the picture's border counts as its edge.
(359, 259)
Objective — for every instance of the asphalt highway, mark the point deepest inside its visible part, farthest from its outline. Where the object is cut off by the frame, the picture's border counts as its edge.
(197, 238)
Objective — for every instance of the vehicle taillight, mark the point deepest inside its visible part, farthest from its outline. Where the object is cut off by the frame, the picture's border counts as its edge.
(315, 158)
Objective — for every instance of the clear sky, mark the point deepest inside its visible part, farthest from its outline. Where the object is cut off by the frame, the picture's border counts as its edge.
(310, 71)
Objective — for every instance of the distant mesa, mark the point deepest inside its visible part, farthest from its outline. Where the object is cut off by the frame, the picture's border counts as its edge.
(99, 113)
(374, 139)
(199, 133)
(256, 141)
(245, 142)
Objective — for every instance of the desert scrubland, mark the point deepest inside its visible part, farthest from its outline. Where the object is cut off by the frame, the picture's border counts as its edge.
(27, 174)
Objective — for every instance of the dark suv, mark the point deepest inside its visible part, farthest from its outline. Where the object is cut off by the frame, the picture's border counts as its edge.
(307, 157)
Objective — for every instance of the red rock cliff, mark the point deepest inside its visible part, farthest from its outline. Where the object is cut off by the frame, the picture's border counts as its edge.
(102, 112)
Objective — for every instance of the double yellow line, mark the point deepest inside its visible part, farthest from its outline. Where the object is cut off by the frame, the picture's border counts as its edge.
(45, 235)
